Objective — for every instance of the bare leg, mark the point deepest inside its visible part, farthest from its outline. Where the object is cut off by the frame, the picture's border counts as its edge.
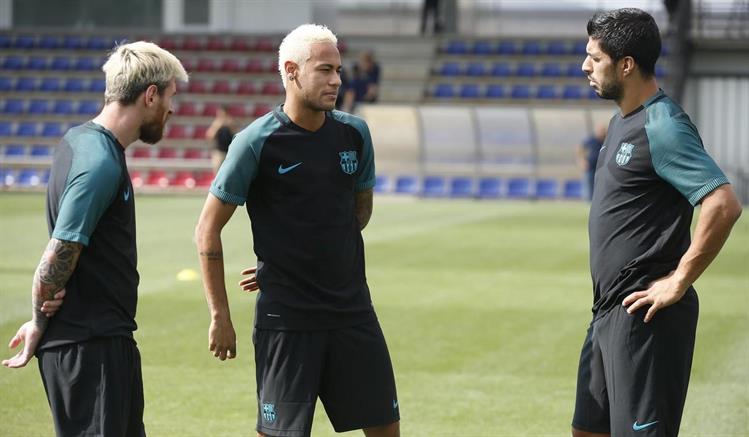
(392, 430)
(578, 433)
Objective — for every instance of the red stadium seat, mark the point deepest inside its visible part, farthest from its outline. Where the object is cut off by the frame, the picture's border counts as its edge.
(167, 43)
(210, 109)
(246, 88)
(197, 86)
(272, 66)
(167, 153)
(177, 131)
(221, 87)
(142, 152)
(254, 66)
(194, 153)
(272, 89)
(264, 45)
(136, 178)
(183, 179)
(230, 65)
(158, 177)
(237, 110)
(198, 132)
(192, 43)
(239, 44)
(261, 109)
(187, 109)
(205, 64)
(189, 64)
(215, 43)
(204, 179)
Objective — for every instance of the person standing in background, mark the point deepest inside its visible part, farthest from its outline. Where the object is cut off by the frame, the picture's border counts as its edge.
(221, 132)
(587, 157)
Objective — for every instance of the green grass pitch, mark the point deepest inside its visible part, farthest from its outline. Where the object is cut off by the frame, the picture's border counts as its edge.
(484, 306)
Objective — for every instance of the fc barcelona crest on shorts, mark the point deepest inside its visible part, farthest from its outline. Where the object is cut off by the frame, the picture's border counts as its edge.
(348, 161)
(624, 154)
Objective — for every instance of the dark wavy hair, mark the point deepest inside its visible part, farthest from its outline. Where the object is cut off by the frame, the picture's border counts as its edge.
(628, 32)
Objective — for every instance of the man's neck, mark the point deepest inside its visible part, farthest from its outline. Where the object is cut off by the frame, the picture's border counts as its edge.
(637, 94)
(309, 119)
(121, 121)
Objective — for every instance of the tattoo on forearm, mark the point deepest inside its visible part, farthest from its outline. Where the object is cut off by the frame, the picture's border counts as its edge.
(213, 255)
(56, 266)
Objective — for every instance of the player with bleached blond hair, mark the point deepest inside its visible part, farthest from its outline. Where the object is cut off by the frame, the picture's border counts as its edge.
(306, 173)
(88, 359)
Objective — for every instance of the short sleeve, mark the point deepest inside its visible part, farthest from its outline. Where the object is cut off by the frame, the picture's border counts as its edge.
(680, 158)
(366, 177)
(91, 187)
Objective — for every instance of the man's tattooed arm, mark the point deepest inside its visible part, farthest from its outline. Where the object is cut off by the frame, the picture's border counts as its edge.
(363, 205)
(56, 266)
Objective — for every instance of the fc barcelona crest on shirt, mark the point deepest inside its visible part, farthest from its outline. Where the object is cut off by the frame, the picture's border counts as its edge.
(348, 161)
(624, 154)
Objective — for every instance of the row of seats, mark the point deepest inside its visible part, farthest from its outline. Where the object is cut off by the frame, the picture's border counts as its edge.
(517, 91)
(34, 129)
(51, 84)
(55, 107)
(11, 151)
(21, 151)
(520, 69)
(31, 177)
(244, 87)
(55, 42)
(240, 110)
(484, 188)
(511, 47)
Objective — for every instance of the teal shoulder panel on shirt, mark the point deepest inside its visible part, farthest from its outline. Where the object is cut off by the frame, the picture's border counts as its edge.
(365, 178)
(677, 152)
(232, 183)
(93, 181)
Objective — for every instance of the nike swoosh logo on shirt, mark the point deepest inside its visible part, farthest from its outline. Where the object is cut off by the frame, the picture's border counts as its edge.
(284, 170)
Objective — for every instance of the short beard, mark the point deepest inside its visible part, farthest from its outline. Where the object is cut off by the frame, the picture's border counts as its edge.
(611, 91)
(152, 131)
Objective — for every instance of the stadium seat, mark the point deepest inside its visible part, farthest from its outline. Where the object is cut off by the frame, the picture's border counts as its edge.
(72, 42)
(660, 72)
(176, 131)
(254, 66)
(86, 63)
(210, 109)
(97, 42)
(40, 151)
(556, 48)
(450, 69)
(592, 95)
(29, 177)
(546, 91)
(26, 129)
(215, 44)
(167, 43)
(38, 107)
(501, 69)
(237, 110)
(37, 63)
(518, 188)
(230, 66)
(24, 42)
(88, 107)
(221, 87)
(495, 91)
(166, 153)
(49, 42)
(551, 69)
(62, 107)
(434, 186)
(6, 128)
(183, 179)
(579, 48)
(239, 44)
(406, 185)
(189, 64)
(461, 187)
(13, 107)
(14, 150)
(272, 88)
(187, 109)
(7, 177)
(204, 179)
(136, 178)
(198, 132)
(531, 48)
(5, 41)
(489, 188)
(573, 189)
(547, 189)
(194, 154)
(265, 45)
(507, 48)
(192, 43)
(52, 129)
(13, 62)
(381, 184)
(74, 85)
(572, 92)
(158, 178)
(456, 47)
(197, 86)
(142, 152)
(205, 65)
(50, 84)
(482, 48)
(469, 91)
(246, 88)
(60, 63)
(261, 109)
(476, 69)
(575, 70)
(520, 91)
(25, 84)
(525, 69)
(6, 83)
(97, 86)
(444, 91)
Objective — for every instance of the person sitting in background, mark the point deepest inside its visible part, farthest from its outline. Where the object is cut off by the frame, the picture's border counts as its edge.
(587, 157)
(222, 131)
(364, 85)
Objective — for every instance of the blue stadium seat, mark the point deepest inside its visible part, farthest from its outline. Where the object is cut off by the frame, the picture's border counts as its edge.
(461, 187)
(450, 69)
(575, 69)
(580, 48)
(546, 91)
(406, 185)
(29, 177)
(531, 48)
(37, 63)
(489, 188)
(13, 62)
(546, 189)
(5, 41)
(482, 48)
(507, 48)
(457, 47)
(469, 91)
(381, 184)
(573, 189)
(444, 91)
(60, 63)
(50, 84)
(86, 63)
(13, 107)
(572, 92)
(521, 91)
(475, 69)
(23, 42)
(501, 69)
(40, 151)
(52, 129)
(72, 42)
(97, 42)
(97, 85)
(26, 129)
(49, 42)
(556, 48)
(38, 107)
(495, 91)
(63, 107)
(6, 129)
(25, 84)
(88, 107)
(434, 186)
(518, 188)
(14, 150)
(6, 83)
(74, 85)
(660, 72)
(551, 69)
(7, 177)
(525, 69)
(592, 94)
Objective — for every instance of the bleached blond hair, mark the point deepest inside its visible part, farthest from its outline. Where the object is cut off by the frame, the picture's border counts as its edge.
(132, 68)
(296, 46)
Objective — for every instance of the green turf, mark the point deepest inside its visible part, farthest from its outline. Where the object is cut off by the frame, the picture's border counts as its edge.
(484, 305)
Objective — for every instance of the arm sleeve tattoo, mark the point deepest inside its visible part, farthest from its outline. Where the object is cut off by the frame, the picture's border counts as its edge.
(56, 266)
